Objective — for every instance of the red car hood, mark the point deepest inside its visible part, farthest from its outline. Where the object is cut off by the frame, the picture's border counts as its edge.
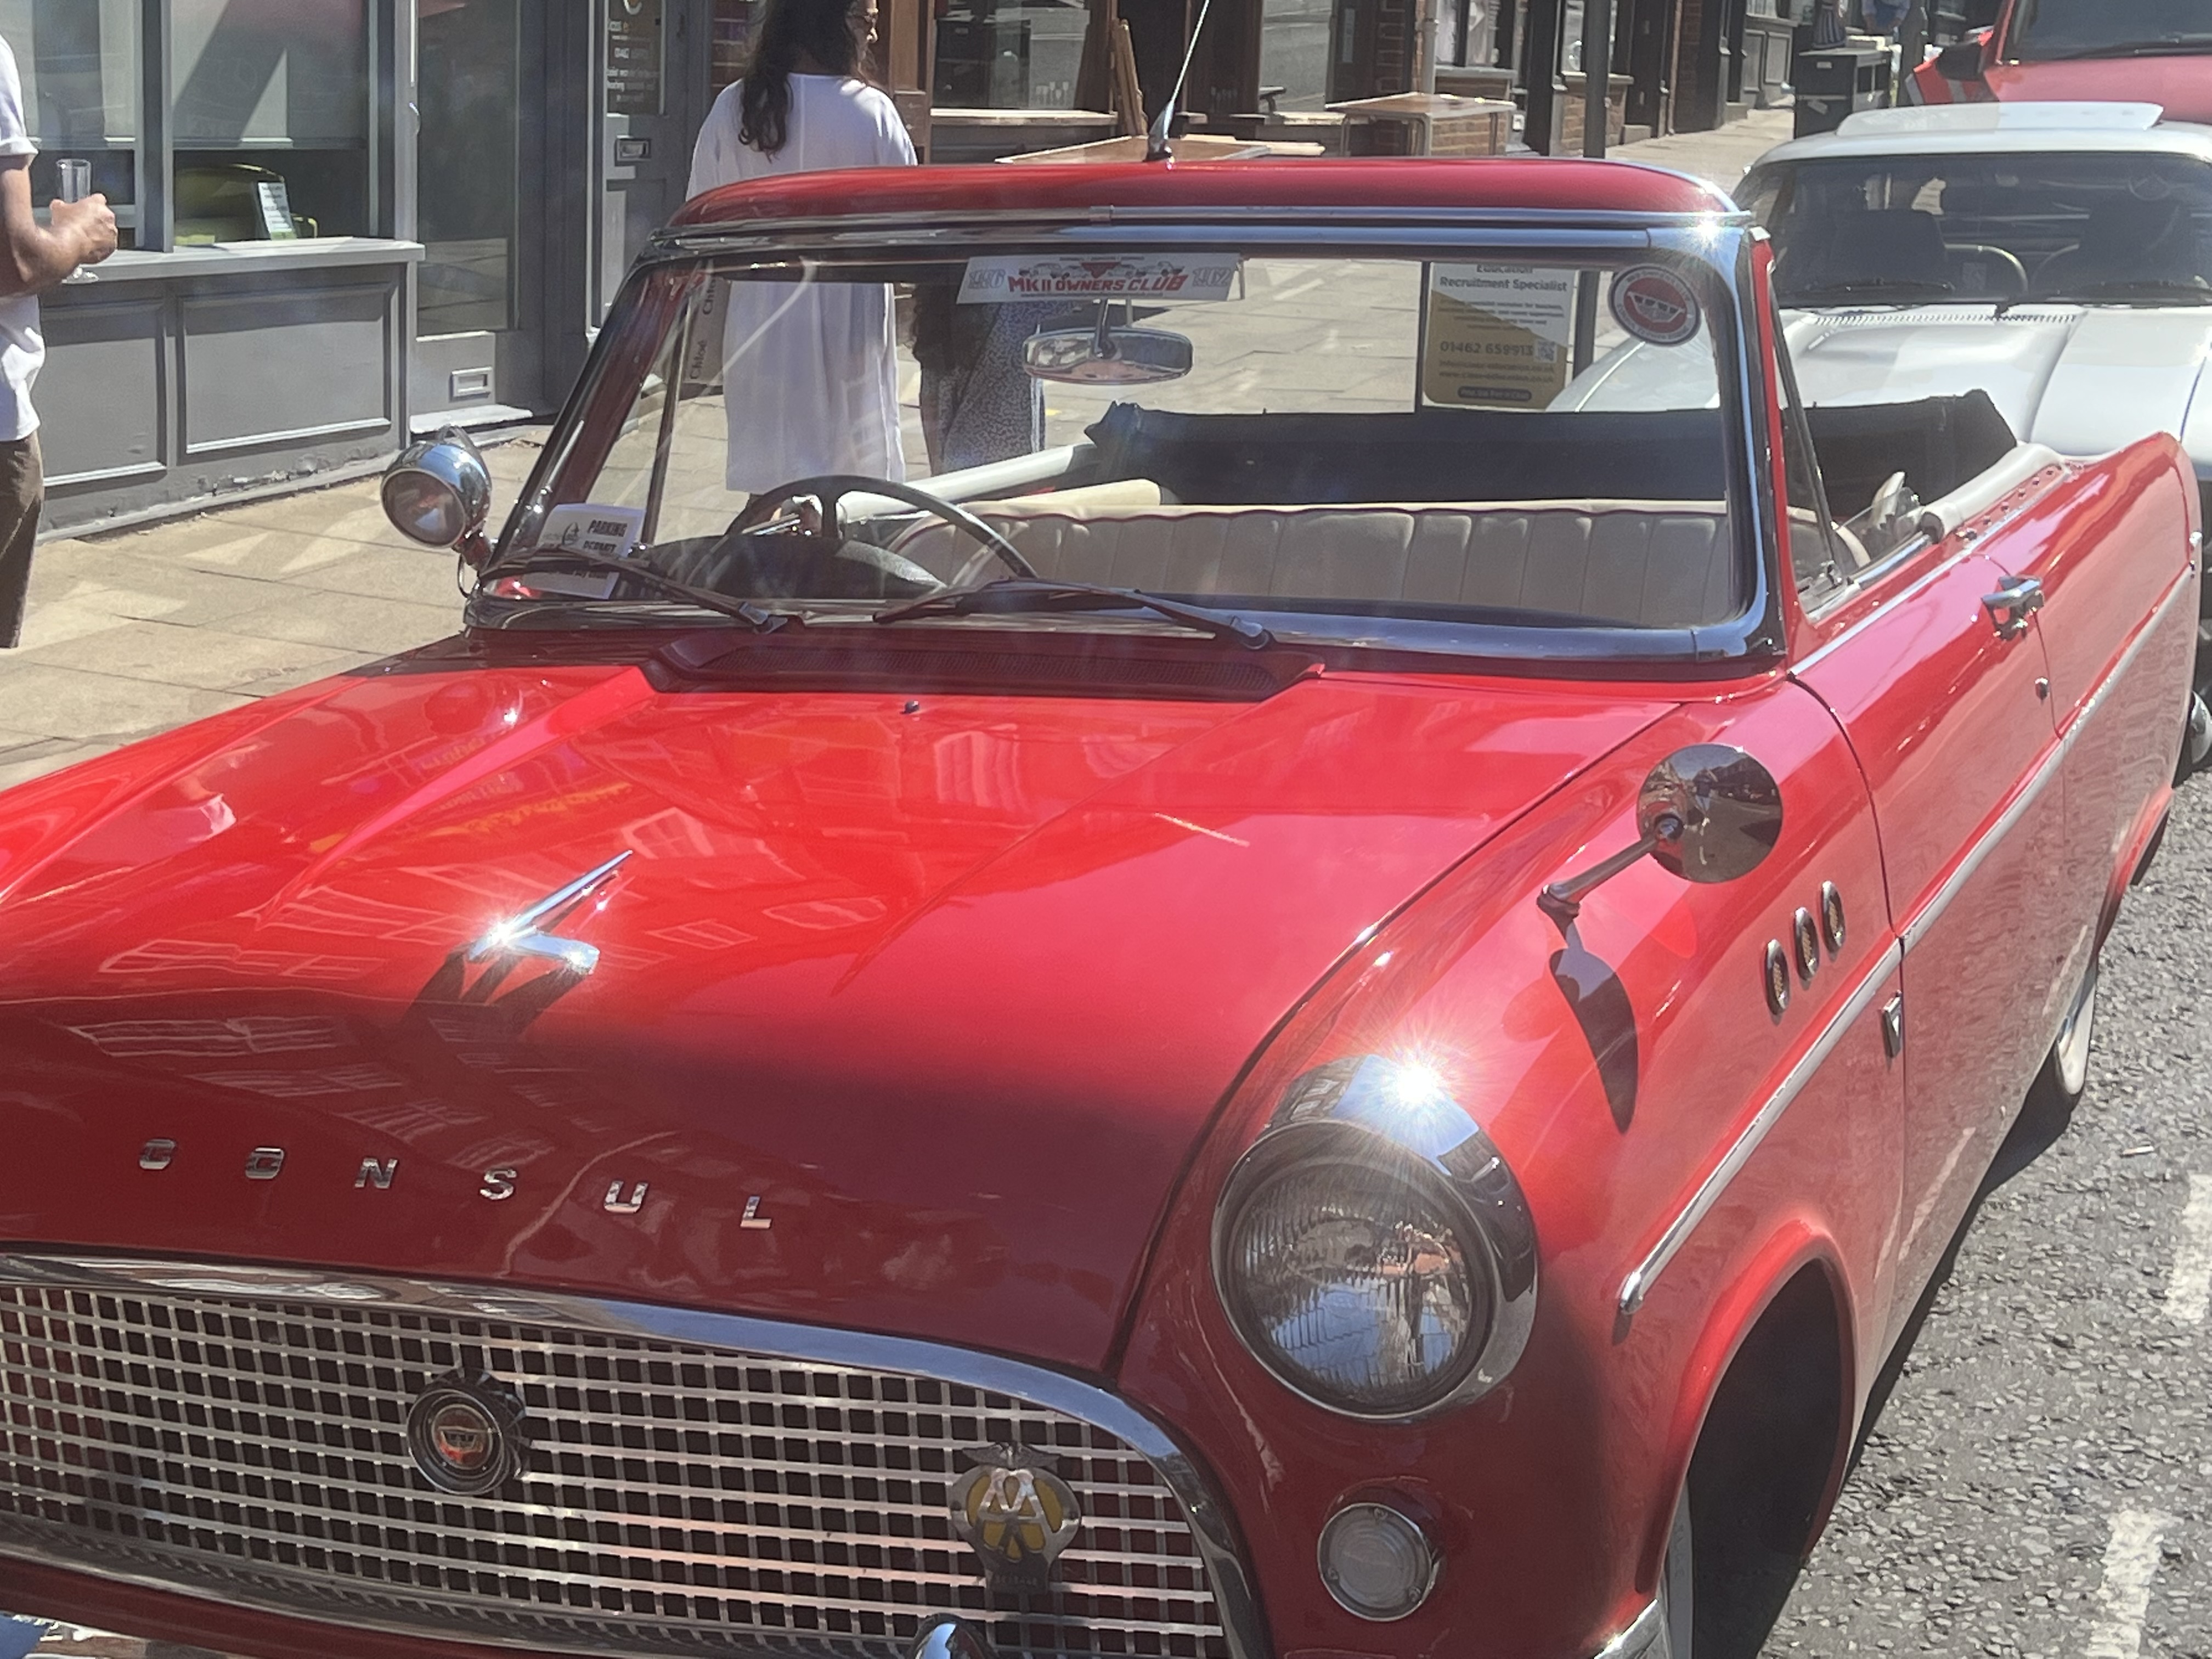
(2182, 84)
(951, 991)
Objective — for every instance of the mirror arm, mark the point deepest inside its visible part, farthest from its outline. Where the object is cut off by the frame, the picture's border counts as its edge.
(1563, 900)
(475, 550)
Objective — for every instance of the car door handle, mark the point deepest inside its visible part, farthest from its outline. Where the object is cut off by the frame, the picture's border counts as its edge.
(2017, 598)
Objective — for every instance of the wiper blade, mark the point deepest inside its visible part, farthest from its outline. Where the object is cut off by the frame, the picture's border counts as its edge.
(759, 620)
(1870, 289)
(1018, 595)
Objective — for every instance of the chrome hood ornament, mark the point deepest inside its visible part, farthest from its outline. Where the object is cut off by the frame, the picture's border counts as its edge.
(519, 934)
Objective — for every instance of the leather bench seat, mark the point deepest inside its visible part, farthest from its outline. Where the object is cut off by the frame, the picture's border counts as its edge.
(1658, 564)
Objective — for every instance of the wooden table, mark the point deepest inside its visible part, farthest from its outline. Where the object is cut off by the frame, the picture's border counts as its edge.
(1432, 122)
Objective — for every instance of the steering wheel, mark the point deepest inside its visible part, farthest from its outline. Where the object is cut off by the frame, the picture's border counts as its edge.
(832, 488)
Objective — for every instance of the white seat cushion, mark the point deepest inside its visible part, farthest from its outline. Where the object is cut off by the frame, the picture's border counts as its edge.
(1657, 564)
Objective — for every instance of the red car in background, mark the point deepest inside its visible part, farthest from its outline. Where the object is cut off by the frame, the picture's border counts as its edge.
(2155, 52)
(1340, 1007)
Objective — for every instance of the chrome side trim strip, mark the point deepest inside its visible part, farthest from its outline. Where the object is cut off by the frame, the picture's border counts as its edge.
(804, 1344)
(1637, 1285)
(1871, 984)
(1639, 1639)
(1917, 929)
(1920, 543)
(1932, 912)
(1874, 572)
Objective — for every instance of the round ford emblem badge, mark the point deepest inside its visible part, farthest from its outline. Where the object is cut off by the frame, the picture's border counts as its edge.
(465, 1435)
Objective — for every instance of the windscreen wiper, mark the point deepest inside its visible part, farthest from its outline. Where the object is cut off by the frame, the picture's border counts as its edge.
(1018, 595)
(754, 617)
(1871, 289)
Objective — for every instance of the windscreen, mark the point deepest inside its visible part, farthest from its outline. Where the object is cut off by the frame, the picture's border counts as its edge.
(1250, 433)
(2045, 31)
(2108, 227)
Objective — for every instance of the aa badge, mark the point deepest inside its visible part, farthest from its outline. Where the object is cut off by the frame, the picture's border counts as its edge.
(1015, 1513)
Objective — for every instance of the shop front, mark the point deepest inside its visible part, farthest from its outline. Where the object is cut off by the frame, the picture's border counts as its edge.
(347, 219)
(342, 219)
(255, 319)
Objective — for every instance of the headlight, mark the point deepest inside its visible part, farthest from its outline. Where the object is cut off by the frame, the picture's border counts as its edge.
(1372, 1250)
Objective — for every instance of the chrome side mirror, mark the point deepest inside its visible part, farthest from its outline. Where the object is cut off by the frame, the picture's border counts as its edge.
(1709, 813)
(1107, 355)
(439, 491)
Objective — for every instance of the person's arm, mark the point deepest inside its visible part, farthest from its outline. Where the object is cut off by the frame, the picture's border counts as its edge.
(894, 144)
(710, 168)
(34, 258)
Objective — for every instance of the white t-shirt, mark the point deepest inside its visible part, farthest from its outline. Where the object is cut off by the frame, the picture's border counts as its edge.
(22, 348)
(810, 372)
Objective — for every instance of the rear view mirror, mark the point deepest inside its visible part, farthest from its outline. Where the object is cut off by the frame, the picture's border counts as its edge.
(1107, 355)
(1709, 813)
(1712, 813)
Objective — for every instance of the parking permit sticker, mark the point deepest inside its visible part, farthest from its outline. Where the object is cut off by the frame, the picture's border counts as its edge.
(1004, 279)
(1652, 303)
(611, 532)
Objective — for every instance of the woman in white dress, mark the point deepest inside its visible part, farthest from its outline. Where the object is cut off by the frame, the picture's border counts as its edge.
(810, 371)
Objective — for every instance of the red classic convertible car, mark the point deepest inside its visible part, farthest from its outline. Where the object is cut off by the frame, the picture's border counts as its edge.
(2068, 51)
(1333, 1004)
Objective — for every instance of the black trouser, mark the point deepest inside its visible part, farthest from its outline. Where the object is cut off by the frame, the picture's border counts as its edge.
(22, 494)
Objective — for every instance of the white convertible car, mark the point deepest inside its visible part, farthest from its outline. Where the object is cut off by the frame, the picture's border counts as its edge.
(2057, 258)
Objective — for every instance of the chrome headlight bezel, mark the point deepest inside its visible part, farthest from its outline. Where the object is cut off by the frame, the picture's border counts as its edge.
(1395, 1120)
(447, 475)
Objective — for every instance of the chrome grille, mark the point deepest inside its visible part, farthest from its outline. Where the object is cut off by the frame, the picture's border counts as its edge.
(676, 1497)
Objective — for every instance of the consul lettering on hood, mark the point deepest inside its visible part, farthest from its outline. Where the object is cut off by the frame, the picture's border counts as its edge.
(1120, 276)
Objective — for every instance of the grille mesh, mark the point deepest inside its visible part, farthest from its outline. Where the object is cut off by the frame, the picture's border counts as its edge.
(676, 1499)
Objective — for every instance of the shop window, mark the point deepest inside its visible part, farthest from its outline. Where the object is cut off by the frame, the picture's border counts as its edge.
(79, 62)
(734, 22)
(1294, 43)
(470, 97)
(995, 56)
(1466, 34)
(637, 57)
(270, 120)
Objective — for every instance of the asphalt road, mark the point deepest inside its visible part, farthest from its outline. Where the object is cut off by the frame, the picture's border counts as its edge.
(2039, 1482)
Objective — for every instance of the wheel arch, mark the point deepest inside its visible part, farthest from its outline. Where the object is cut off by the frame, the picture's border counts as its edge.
(1778, 1357)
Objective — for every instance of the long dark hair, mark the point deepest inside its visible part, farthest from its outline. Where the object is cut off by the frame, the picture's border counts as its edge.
(819, 29)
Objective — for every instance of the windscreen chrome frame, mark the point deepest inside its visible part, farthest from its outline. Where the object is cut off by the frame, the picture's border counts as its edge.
(1754, 638)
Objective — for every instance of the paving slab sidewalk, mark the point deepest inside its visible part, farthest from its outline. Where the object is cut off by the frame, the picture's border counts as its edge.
(133, 633)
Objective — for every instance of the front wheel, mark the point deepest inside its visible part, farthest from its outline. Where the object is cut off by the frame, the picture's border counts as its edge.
(2195, 737)
(1677, 1577)
(2065, 1074)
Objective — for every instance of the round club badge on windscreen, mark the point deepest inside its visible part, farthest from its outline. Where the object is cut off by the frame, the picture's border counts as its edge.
(1655, 304)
